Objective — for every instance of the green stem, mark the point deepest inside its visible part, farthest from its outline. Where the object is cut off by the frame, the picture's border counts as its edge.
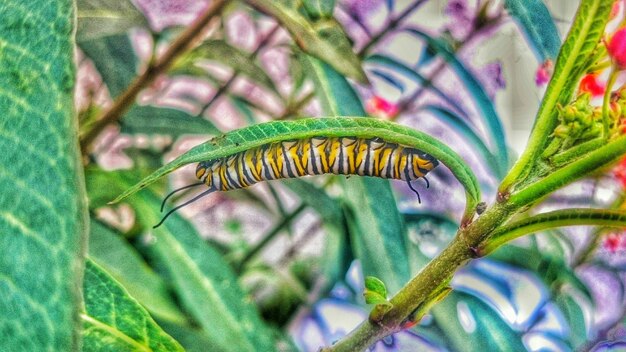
(607, 102)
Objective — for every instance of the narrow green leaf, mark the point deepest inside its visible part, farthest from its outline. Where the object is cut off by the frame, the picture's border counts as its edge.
(261, 134)
(109, 250)
(42, 209)
(415, 76)
(575, 319)
(554, 219)
(102, 18)
(113, 320)
(471, 325)
(460, 125)
(319, 8)
(535, 21)
(475, 89)
(583, 37)
(224, 53)
(161, 120)
(200, 277)
(115, 60)
(323, 38)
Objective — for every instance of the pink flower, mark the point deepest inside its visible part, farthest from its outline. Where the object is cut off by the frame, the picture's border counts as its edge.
(589, 84)
(544, 72)
(620, 172)
(613, 242)
(380, 107)
(617, 48)
(615, 9)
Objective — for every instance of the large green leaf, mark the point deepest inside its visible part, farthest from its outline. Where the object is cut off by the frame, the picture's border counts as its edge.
(204, 283)
(535, 21)
(42, 208)
(114, 321)
(323, 38)
(378, 235)
(101, 18)
(109, 250)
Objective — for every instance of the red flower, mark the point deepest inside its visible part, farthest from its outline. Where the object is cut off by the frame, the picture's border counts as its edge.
(589, 84)
(617, 48)
(380, 107)
(612, 242)
(620, 172)
(544, 72)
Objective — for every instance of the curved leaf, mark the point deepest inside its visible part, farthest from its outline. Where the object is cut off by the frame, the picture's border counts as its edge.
(535, 21)
(199, 276)
(261, 134)
(553, 219)
(578, 47)
(413, 75)
(475, 89)
(42, 209)
(323, 38)
(115, 321)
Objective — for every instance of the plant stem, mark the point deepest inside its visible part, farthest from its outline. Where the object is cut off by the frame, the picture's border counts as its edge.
(435, 275)
(607, 102)
(159, 66)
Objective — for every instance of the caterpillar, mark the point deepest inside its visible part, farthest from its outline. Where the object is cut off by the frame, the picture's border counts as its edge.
(312, 156)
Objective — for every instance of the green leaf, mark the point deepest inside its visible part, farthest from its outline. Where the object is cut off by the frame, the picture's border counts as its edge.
(554, 219)
(474, 88)
(113, 320)
(228, 55)
(319, 8)
(102, 18)
(115, 60)
(42, 209)
(323, 38)
(374, 289)
(204, 283)
(162, 120)
(575, 319)
(578, 48)
(535, 21)
(471, 325)
(261, 134)
(109, 250)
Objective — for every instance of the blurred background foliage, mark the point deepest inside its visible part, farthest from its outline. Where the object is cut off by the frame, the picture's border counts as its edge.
(280, 266)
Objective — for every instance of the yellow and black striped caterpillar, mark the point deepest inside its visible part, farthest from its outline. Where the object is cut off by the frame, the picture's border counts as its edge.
(312, 156)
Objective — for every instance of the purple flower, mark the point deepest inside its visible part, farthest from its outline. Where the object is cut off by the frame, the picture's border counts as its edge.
(491, 77)
(162, 14)
(461, 18)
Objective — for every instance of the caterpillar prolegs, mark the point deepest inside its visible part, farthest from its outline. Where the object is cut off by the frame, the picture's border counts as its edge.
(312, 156)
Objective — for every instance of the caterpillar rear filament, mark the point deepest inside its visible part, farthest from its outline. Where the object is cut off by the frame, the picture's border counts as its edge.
(313, 156)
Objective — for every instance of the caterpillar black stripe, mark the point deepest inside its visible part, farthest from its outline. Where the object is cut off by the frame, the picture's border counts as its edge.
(313, 156)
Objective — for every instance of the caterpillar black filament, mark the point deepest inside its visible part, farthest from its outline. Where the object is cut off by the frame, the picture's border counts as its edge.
(313, 156)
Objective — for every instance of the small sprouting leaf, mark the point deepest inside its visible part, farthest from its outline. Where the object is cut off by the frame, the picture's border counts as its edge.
(323, 38)
(375, 291)
(101, 18)
(115, 321)
(535, 21)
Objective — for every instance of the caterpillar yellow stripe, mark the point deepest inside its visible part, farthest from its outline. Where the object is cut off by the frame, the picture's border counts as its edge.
(315, 156)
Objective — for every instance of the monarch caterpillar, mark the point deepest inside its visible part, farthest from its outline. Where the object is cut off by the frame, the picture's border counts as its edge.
(312, 156)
